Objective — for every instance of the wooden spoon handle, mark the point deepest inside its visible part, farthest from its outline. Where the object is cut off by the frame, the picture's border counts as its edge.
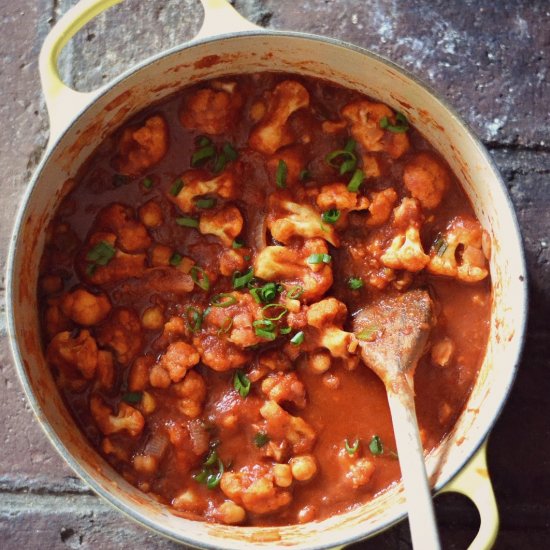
(413, 470)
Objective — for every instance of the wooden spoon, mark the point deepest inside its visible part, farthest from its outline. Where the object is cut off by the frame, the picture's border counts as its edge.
(396, 329)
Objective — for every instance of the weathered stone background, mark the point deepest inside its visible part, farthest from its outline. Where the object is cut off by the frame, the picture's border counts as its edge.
(489, 59)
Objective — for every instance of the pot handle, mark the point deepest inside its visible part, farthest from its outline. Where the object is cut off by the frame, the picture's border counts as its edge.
(64, 103)
(474, 482)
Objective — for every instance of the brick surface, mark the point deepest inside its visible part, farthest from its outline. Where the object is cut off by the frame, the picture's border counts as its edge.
(490, 60)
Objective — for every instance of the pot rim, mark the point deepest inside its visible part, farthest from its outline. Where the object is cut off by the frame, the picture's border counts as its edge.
(132, 512)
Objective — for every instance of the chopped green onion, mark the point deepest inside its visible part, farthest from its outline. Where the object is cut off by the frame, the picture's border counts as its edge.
(230, 152)
(241, 383)
(282, 172)
(202, 155)
(401, 127)
(203, 141)
(147, 183)
(355, 283)
(177, 186)
(90, 270)
(219, 164)
(375, 445)
(102, 253)
(277, 315)
(132, 397)
(212, 470)
(319, 259)
(200, 278)
(268, 292)
(187, 221)
(343, 159)
(265, 328)
(206, 203)
(351, 449)
(120, 179)
(246, 258)
(255, 292)
(261, 439)
(350, 145)
(223, 300)
(193, 317)
(331, 216)
(226, 327)
(298, 338)
(295, 292)
(236, 244)
(175, 259)
(367, 334)
(304, 175)
(356, 181)
(285, 330)
(241, 280)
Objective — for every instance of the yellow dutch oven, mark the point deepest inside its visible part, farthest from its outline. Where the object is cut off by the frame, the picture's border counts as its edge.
(228, 44)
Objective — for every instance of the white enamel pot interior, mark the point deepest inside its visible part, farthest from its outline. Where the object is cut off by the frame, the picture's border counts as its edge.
(247, 52)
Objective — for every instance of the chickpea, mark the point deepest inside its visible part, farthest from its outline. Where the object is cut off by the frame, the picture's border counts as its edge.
(231, 513)
(257, 111)
(150, 214)
(303, 467)
(145, 464)
(160, 255)
(282, 475)
(319, 362)
(52, 284)
(186, 264)
(152, 318)
(229, 421)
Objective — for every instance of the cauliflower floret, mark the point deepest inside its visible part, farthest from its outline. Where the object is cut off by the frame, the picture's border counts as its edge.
(285, 386)
(226, 224)
(85, 308)
(67, 353)
(122, 333)
(174, 364)
(293, 158)
(406, 252)
(254, 489)
(235, 322)
(198, 182)
(116, 268)
(289, 219)
(426, 179)
(220, 354)
(328, 316)
(459, 252)
(131, 234)
(191, 392)
(273, 131)
(283, 427)
(360, 472)
(371, 166)
(211, 111)
(141, 147)
(380, 209)
(336, 196)
(128, 419)
(269, 361)
(290, 265)
(364, 117)
(233, 260)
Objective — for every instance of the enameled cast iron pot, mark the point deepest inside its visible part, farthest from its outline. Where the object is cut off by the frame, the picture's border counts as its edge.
(228, 44)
